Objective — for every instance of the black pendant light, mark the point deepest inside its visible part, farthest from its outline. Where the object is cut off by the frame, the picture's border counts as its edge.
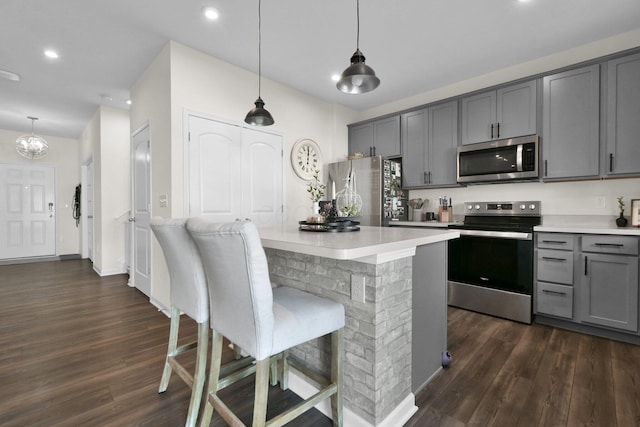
(358, 77)
(258, 116)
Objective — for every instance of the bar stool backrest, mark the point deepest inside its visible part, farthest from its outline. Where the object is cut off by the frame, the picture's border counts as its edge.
(189, 291)
(237, 274)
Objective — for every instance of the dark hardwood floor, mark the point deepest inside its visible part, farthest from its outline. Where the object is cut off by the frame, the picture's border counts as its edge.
(81, 350)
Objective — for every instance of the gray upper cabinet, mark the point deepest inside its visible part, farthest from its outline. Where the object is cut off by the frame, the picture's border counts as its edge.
(504, 113)
(571, 117)
(379, 137)
(429, 141)
(623, 116)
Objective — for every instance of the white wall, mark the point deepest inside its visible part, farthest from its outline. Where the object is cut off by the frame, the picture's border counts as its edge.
(113, 189)
(63, 155)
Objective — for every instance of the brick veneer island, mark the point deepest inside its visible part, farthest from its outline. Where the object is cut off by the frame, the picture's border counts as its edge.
(395, 331)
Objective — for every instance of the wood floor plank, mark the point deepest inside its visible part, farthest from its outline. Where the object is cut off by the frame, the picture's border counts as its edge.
(625, 359)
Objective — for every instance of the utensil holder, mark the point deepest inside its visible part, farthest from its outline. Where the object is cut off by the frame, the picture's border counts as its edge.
(445, 214)
(416, 214)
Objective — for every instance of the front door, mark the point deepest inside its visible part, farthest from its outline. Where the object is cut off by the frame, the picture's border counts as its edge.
(27, 211)
(141, 209)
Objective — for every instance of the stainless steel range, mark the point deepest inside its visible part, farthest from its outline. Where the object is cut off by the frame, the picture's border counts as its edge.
(491, 264)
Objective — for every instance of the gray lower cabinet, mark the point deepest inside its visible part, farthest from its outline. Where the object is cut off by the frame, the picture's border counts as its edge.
(429, 141)
(588, 279)
(379, 137)
(554, 266)
(504, 113)
(623, 113)
(609, 293)
(570, 124)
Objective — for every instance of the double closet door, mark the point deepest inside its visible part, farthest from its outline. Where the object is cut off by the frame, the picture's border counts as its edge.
(234, 172)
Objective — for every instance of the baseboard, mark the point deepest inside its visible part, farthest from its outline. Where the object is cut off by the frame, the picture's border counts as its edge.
(108, 272)
(396, 418)
(10, 261)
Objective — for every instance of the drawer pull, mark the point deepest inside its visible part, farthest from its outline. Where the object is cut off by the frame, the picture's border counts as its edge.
(548, 258)
(556, 242)
(547, 291)
(612, 245)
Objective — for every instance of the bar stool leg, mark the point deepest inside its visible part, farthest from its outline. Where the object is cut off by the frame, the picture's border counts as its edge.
(262, 392)
(171, 349)
(214, 374)
(199, 375)
(337, 350)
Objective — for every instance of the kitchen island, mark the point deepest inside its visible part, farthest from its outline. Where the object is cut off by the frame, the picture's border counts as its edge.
(371, 273)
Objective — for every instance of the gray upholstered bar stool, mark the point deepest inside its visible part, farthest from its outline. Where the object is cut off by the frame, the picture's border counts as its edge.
(189, 294)
(264, 321)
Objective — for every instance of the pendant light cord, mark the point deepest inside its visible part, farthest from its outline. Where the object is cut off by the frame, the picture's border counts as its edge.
(259, 46)
(358, 26)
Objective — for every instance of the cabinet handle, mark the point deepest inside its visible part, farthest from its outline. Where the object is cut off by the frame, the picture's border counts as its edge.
(557, 242)
(429, 182)
(491, 130)
(374, 150)
(610, 245)
(548, 258)
(547, 291)
(546, 169)
(370, 151)
(585, 265)
(425, 179)
(610, 162)
(498, 130)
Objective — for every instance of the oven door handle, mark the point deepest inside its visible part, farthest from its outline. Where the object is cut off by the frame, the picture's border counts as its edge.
(498, 234)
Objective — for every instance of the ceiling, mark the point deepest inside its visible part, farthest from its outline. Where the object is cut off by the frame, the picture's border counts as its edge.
(413, 45)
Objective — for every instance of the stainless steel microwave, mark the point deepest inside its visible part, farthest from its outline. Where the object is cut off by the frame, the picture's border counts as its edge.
(501, 160)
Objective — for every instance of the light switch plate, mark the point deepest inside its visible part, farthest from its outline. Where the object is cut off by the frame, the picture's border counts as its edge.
(164, 200)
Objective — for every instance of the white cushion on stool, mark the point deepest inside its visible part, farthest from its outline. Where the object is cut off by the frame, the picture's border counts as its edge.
(293, 308)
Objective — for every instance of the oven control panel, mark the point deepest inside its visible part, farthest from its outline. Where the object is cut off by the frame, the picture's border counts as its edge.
(518, 208)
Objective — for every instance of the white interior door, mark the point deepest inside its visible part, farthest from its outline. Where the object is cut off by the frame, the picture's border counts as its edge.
(214, 178)
(262, 177)
(27, 211)
(88, 208)
(141, 211)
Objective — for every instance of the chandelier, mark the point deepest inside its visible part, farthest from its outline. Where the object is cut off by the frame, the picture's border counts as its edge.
(32, 146)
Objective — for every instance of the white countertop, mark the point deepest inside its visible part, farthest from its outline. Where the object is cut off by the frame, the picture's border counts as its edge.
(381, 243)
(585, 224)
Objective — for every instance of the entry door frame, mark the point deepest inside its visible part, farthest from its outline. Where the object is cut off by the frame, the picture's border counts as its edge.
(86, 209)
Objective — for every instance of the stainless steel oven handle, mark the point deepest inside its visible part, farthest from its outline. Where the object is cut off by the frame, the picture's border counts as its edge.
(497, 234)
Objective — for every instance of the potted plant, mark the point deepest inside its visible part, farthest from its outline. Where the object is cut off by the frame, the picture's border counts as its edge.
(621, 221)
(315, 188)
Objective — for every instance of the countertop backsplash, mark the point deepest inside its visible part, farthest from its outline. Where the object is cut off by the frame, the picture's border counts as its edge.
(594, 198)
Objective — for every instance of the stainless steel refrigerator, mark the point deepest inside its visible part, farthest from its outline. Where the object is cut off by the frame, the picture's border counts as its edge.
(378, 181)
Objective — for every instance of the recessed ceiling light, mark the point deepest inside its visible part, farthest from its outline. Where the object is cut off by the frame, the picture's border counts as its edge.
(335, 77)
(50, 53)
(210, 13)
(4, 74)
(128, 101)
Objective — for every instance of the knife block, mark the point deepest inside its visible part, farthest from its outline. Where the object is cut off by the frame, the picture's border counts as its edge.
(445, 214)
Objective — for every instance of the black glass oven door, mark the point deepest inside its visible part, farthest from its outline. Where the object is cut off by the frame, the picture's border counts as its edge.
(499, 263)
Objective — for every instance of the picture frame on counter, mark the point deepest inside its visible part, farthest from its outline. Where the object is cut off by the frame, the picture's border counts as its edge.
(635, 212)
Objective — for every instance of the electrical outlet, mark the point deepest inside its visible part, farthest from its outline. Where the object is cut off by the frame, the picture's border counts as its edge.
(164, 200)
(601, 202)
(357, 288)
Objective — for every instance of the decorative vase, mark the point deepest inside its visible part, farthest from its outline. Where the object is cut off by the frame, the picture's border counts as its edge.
(621, 221)
(316, 208)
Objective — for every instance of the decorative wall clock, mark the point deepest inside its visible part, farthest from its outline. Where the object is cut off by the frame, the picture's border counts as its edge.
(306, 158)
